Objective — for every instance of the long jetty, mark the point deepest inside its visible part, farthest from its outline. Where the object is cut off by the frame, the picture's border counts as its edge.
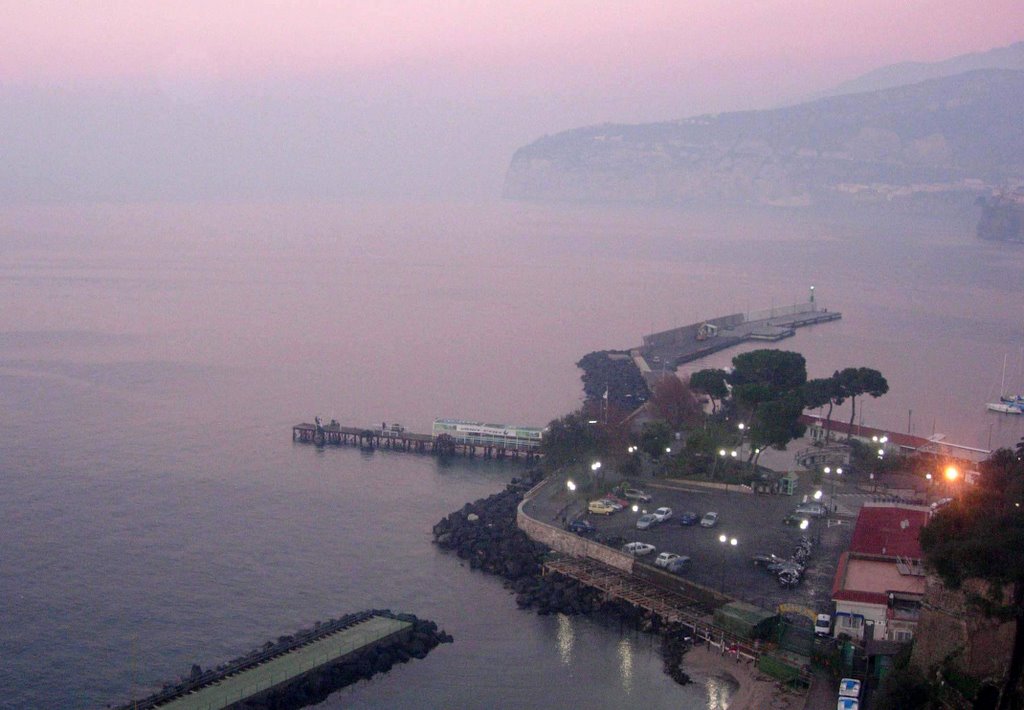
(274, 675)
(691, 342)
(335, 434)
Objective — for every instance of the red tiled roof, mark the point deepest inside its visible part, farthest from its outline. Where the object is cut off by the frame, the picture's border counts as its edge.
(853, 595)
(906, 441)
(889, 531)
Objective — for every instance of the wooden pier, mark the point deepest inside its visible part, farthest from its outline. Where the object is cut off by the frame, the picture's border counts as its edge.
(671, 607)
(334, 434)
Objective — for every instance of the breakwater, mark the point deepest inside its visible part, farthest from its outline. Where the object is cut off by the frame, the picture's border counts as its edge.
(303, 668)
(486, 535)
(691, 342)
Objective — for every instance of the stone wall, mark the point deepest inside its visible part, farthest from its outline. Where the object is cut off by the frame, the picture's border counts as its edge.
(572, 544)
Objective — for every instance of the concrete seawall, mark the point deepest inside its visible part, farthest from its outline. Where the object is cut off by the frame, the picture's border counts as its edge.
(567, 542)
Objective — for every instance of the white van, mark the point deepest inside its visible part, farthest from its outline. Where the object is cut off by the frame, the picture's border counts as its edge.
(816, 510)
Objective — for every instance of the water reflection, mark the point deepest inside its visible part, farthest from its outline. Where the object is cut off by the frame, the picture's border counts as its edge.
(720, 692)
(626, 664)
(566, 638)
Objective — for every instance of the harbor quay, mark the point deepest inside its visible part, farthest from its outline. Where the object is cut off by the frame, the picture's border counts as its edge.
(677, 346)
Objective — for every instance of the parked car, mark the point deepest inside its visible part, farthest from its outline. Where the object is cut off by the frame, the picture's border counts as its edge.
(613, 503)
(678, 565)
(617, 499)
(600, 507)
(940, 504)
(689, 518)
(582, 527)
(794, 519)
(816, 510)
(709, 520)
(638, 549)
(646, 521)
(823, 625)
(662, 514)
(665, 558)
(636, 494)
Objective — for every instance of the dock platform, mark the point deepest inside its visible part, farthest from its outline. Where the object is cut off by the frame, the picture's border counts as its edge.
(691, 342)
(335, 434)
(239, 683)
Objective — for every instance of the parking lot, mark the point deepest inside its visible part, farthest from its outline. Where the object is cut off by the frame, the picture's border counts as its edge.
(754, 521)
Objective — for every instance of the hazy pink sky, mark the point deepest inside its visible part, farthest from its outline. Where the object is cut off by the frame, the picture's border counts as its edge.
(520, 44)
(412, 96)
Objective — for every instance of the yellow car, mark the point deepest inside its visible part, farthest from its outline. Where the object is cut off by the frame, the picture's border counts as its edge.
(600, 507)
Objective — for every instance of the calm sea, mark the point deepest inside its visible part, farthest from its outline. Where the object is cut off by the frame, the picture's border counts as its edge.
(154, 357)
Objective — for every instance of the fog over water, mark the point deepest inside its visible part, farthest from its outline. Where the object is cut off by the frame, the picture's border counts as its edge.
(154, 357)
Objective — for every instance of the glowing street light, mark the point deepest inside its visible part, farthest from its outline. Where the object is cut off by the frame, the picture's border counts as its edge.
(804, 524)
(817, 495)
(952, 473)
(594, 466)
(734, 454)
(570, 485)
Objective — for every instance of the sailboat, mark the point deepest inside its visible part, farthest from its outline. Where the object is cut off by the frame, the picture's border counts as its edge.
(1006, 405)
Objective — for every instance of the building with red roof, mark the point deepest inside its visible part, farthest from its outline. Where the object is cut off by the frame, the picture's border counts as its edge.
(879, 583)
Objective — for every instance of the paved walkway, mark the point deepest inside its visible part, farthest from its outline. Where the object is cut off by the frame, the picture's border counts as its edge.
(249, 682)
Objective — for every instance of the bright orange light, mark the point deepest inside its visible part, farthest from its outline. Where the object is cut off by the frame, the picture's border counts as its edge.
(951, 473)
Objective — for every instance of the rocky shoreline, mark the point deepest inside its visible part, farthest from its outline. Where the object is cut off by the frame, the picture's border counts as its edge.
(485, 534)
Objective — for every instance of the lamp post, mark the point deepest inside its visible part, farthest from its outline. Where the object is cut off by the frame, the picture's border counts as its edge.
(732, 542)
(832, 496)
(952, 475)
(714, 470)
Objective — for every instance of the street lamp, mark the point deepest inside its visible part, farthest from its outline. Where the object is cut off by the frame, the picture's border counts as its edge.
(832, 496)
(723, 538)
(570, 485)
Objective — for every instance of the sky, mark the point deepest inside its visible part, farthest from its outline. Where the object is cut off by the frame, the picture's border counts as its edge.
(425, 99)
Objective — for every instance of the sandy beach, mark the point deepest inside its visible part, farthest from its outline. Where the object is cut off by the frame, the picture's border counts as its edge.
(744, 687)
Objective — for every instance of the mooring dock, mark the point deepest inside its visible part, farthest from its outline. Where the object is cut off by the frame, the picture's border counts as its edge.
(691, 342)
(257, 675)
(450, 437)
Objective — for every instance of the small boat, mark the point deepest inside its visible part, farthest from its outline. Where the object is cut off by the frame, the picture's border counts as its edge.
(1006, 405)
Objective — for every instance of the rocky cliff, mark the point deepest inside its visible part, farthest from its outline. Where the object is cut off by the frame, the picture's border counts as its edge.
(946, 137)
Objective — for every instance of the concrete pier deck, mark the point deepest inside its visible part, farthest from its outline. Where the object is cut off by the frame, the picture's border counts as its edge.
(675, 347)
(253, 681)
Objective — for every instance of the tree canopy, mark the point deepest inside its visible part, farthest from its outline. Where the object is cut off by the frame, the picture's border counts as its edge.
(980, 536)
(711, 382)
(767, 388)
(673, 401)
(613, 373)
(856, 381)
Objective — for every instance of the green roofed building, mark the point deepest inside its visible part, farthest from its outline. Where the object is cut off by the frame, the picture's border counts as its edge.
(499, 436)
(745, 620)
